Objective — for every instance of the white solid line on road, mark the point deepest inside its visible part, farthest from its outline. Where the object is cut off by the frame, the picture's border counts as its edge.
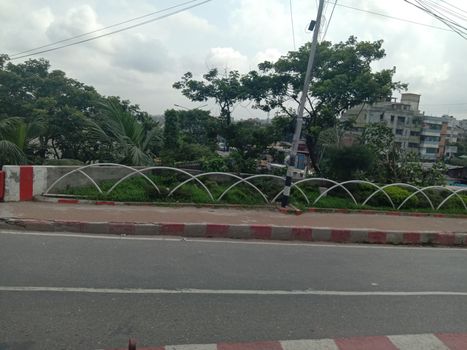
(222, 291)
(192, 347)
(320, 344)
(417, 342)
(225, 241)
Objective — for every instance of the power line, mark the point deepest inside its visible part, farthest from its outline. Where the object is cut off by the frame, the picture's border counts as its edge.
(115, 31)
(329, 21)
(456, 27)
(395, 18)
(103, 28)
(100, 29)
(292, 24)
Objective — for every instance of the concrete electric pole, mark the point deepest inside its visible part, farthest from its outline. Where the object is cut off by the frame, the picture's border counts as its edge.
(301, 108)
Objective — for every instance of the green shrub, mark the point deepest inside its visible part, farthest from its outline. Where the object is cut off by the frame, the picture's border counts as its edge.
(398, 195)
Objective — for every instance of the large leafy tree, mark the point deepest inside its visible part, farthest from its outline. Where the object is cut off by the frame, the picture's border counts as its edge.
(225, 89)
(342, 78)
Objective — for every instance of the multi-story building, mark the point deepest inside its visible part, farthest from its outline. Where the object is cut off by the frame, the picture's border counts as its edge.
(430, 137)
(438, 137)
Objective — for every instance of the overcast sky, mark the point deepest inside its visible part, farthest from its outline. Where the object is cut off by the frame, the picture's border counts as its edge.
(141, 64)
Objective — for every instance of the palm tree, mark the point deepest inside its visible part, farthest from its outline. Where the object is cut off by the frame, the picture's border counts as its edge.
(131, 140)
(13, 133)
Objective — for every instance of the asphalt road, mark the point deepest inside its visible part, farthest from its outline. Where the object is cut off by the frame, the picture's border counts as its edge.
(188, 291)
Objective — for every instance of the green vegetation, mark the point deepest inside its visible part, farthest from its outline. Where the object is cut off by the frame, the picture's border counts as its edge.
(138, 189)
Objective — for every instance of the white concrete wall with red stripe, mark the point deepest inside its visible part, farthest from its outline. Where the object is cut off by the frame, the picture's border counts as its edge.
(22, 182)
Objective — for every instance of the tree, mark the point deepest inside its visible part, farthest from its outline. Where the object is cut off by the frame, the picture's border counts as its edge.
(226, 90)
(346, 162)
(342, 78)
(130, 141)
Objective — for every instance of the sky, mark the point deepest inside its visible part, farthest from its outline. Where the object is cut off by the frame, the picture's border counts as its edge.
(142, 63)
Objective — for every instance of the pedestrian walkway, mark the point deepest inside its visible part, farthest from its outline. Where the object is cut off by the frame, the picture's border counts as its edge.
(233, 223)
(225, 216)
(393, 342)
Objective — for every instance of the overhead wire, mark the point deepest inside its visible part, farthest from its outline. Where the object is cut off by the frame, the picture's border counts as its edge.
(292, 24)
(458, 28)
(33, 52)
(394, 18)
(329, 21)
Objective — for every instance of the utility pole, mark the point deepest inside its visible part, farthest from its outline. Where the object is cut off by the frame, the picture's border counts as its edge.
(298, 127)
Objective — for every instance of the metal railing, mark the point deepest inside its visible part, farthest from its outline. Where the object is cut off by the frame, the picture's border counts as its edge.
(333, 185)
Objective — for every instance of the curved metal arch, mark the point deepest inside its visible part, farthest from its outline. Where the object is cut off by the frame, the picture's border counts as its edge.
(163, 168)
(433, 187)
(295, 184)
(400, 184)
(355, 182)
(80, 170)
(249, 183)
(453, 194)
(196, 177)
(155, 168)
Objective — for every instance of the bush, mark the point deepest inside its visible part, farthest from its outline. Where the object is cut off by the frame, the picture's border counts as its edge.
(398, 195)
(342, 163)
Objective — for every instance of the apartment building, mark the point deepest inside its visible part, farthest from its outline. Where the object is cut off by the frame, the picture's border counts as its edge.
(430, 137)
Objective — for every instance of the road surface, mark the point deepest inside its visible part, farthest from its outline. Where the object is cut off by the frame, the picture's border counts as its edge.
(62, 291)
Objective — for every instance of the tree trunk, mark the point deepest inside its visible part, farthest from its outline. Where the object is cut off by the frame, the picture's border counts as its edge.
(311, 145)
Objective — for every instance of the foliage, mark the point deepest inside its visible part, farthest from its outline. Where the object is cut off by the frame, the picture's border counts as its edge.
(127, 135)
(225, 89)
(342, 78)
(56, 117)
(343, 163)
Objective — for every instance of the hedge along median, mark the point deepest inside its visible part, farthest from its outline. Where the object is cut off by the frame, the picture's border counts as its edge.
(138, 189)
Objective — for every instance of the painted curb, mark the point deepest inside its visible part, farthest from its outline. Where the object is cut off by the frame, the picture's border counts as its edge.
(253, 232)
(441, 341)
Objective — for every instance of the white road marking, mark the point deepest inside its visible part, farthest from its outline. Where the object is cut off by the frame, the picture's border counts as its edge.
(417, 342)
(192, 347)
(321, 344)
(221, 291)
(225, 241)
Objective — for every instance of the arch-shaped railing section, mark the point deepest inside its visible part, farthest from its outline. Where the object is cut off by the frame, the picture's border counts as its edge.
(80, 170)
(353, 182)
(455, 193)
(399, 184)
(246, 180)
(196, 177)
(451, 195)
(314, 179)
(159, 168)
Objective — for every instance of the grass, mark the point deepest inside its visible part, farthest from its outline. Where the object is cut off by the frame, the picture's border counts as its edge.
(138, 189)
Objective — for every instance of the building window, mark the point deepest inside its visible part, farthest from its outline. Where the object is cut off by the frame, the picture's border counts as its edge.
(413, 145)
(392, 118)
(399, 131)
(414, 133)
(431, 150)
(401, 119)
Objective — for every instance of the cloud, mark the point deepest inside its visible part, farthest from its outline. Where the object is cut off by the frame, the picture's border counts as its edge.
(142, 63)
(226, 58)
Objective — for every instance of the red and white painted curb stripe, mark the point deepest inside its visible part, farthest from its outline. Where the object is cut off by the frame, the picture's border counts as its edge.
(259, 232)
(394, 342)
